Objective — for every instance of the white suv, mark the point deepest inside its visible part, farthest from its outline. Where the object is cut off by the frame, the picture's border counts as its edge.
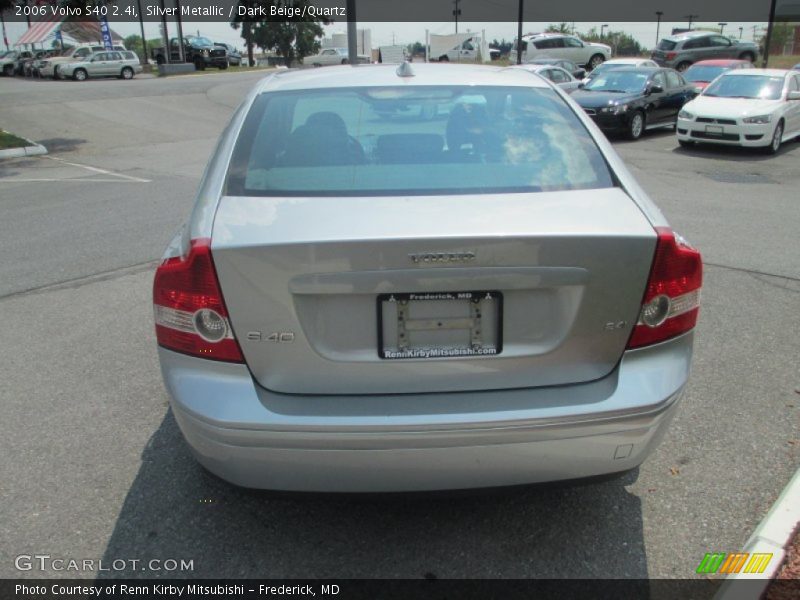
(50, 67)
(560, 45)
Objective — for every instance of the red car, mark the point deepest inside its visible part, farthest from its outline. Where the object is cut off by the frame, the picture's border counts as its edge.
(703, 72)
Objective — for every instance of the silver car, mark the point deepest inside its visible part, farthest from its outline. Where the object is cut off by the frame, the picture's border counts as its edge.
(557, 75)
(470, 292)
(123, 64)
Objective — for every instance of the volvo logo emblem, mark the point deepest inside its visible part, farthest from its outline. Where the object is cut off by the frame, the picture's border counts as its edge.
(441, 257)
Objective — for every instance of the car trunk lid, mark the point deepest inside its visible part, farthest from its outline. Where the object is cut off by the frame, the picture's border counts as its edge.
(315, 287)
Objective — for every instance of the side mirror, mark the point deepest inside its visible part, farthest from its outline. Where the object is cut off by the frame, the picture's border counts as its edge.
(793, 96)
(655, 89)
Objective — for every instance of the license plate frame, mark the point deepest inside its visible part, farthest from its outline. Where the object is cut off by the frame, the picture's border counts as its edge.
(483, 326)
(715, 130)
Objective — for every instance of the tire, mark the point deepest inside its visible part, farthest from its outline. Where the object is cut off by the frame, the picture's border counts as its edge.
(223, 67)
(775, 143)
(444, 58)
(636, 126)
(344, 61)
(317, 65)
(747, 56)
(126, 73)
(595, 61)
(682, 66)
(80, 75)
(686, 143)
(8, 70)
(199, 64)
(160, 60)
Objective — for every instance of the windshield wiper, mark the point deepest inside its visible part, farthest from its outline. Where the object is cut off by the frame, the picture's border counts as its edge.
(611, 91)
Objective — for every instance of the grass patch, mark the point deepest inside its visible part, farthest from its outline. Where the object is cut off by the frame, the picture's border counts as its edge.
(9, 140)
(783, 62)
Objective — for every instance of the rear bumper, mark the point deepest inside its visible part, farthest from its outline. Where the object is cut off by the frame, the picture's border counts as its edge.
(256, 438)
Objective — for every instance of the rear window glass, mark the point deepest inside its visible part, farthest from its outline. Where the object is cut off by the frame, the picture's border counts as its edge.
(667, 45)
(413, 140)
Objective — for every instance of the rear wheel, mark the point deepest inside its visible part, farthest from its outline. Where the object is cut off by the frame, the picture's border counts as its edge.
(127, 73)
(8, 70)
(775, 143)
(444, 58)
(344, 61)
(682, 66)
(747, 56)
(596, 61)
(636, 125)
(199, 64)
(80, 75)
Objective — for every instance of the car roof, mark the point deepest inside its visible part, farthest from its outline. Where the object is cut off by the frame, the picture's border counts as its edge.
(626, 61)
(385, 75)
(752, 72)
(688, 35)
(719, 62)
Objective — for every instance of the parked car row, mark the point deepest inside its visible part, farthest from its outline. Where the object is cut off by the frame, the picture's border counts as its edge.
(713, 101)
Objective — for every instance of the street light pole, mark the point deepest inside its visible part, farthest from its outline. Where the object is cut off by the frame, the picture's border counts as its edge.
(721, 27)
(741, 31)
(456, 13)
(691, 18)
(659, 14)
(519, 32)
(602, 27)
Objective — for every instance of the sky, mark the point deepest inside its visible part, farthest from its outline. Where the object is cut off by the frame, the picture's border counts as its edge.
(405, 33)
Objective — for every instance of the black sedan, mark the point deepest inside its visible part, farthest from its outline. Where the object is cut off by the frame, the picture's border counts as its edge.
(569, 66)
(633, 99)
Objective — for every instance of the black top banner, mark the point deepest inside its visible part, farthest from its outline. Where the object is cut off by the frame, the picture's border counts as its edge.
(473, 11)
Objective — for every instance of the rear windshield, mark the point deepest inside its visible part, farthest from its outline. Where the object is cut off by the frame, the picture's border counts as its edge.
(667, 45)
(703, 73)
(413, 140)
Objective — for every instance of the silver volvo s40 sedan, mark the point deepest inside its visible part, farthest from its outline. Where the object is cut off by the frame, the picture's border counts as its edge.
(421, 277)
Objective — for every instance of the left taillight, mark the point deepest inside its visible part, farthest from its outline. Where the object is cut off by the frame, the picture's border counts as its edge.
(671, 301)
(190, 313)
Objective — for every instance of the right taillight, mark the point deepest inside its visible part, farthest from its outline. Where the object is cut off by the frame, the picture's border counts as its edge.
(672, 298)
(671, 55)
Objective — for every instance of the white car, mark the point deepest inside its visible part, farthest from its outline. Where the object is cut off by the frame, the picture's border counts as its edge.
(557, 75)
(617, 63)
(744, 107)
(560, 45)
(333, 56)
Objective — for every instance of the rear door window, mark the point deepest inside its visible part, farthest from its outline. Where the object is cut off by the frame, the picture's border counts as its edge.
(413, 140)
(667, 45)
(674, 80)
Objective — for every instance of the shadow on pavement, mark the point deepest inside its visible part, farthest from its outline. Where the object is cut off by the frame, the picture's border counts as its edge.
(177, 510)
(61, 144)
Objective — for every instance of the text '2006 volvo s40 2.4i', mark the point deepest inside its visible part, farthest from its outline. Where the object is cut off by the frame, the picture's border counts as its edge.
(436, 278)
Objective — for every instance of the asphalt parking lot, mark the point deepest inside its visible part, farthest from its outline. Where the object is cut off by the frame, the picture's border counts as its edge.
(93, 465)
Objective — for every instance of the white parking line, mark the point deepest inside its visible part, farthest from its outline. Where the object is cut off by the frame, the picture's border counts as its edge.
(96, 170)
(68, 179)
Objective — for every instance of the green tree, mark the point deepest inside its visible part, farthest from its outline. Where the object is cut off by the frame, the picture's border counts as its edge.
(560, 28)
(293, 39)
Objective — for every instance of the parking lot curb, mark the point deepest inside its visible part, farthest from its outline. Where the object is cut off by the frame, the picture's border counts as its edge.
(32, 150)
(771, 536)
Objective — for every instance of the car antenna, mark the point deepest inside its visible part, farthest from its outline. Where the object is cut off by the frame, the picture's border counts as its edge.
(405, 70)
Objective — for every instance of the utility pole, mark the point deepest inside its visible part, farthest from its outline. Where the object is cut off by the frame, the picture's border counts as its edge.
(691, 18)
(141, 25)
(659, 14)
(769, 34)
(456, 13)
(519, 33)
(352, 32)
